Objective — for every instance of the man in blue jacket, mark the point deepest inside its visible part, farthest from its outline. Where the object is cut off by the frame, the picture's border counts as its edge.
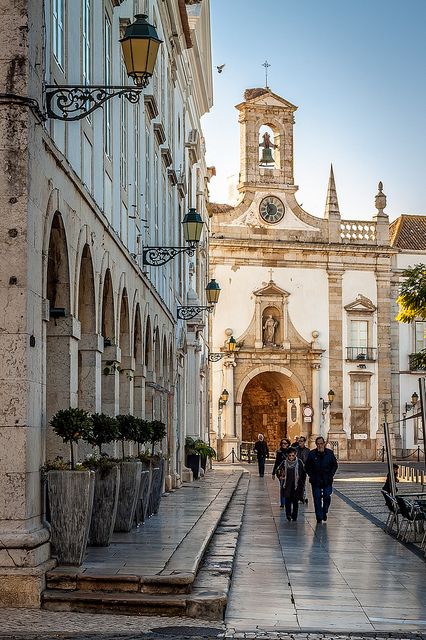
(321, 465)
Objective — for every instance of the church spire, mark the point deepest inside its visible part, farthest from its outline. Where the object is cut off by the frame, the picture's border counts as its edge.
(332, 204)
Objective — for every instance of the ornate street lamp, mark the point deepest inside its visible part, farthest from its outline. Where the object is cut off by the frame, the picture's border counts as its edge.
(192, 227)
(414, 401)
(330, 396)
(230, 348)
(139, 46)
(223, 399)
(212, 295)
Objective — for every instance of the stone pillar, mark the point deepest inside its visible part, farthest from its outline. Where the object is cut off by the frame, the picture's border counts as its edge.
(62, 339)
(384, 310)
(111, 358)
(316, 418)
(149, 395)
(335, 302)
(258, 344)
(90, 349)
(229, 439)
(127, 370)
(139, 391)
(192, 388)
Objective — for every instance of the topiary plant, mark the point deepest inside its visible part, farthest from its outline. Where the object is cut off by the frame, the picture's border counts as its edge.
(72, 425)
(104, 431)
(127, 429)
(144, 432)
(159, 431)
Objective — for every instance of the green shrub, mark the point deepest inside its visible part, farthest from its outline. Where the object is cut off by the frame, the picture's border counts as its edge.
(72, 425)
(127, 429)
(104, 431)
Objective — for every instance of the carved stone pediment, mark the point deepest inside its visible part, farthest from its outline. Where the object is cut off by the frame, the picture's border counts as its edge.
(360, 305)
(272, 290)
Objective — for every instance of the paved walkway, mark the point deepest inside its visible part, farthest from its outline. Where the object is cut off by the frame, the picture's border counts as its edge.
(343, 575)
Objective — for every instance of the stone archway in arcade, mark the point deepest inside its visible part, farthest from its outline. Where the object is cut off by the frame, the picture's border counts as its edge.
(264, 408)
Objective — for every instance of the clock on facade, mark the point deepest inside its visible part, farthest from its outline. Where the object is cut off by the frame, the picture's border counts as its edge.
(271, 209)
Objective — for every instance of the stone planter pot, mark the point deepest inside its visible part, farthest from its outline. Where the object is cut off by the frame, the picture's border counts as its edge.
(130, 479)
(159, 487)
(105, 501)
(193, 462)
(142, 505)
(70, 500)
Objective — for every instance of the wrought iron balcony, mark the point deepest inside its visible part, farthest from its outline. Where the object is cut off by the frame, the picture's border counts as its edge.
(415, 362)
(361, 354)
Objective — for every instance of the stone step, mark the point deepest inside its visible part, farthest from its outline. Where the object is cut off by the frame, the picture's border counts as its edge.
(175, 578)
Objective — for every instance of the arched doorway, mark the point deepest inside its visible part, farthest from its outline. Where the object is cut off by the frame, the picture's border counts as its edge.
(265, 408)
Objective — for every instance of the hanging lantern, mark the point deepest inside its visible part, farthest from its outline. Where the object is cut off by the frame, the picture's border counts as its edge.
(192, 226)
(212, 292)
(140, 46)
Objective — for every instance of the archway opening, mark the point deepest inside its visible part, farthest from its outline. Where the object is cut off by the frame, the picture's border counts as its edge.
(265, 407)
(268, 152)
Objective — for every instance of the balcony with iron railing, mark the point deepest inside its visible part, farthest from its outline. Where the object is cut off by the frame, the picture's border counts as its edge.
(361, 354)
(417, 361)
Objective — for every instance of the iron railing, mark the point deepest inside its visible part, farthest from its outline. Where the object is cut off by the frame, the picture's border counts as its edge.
(361, 354)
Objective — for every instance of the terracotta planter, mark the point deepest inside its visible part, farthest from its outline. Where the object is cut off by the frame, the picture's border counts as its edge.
(70, 500)
(130, 479)
(107, 486)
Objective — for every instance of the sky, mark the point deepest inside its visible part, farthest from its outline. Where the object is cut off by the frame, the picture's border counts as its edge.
(356, 69)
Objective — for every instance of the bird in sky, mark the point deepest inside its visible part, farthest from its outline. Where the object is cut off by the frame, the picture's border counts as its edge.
(220, 68)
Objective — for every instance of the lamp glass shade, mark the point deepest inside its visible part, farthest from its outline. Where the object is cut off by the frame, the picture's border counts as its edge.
(192, 226)
(414, 399)
(330, 396)
(232, 343)
(140, 46)
(224, 396)
(212, 291)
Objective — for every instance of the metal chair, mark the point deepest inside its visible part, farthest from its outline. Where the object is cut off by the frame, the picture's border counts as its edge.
(411, 514)
(393, 516)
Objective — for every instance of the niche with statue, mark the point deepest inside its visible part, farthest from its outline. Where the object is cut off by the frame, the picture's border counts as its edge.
(271, 327)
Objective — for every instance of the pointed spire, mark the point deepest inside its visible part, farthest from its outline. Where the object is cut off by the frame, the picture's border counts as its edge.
(332, 204)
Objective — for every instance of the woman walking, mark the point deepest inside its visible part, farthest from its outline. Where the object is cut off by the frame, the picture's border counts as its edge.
(280, 457)
(293, 478)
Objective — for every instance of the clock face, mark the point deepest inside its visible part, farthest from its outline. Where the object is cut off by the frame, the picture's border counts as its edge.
(271, 209)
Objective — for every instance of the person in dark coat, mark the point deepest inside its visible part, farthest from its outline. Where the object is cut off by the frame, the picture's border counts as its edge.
(293, 476)
(262, 451)
(321, 465)
(302, 453)
(280, 456)
(387, 486)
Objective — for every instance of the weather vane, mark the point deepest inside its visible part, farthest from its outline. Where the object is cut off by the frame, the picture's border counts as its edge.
(266, 65)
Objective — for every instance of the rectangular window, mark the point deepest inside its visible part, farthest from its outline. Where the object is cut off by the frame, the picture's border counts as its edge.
(58, 32)
(87, 162)
(156, 199)
(86, 42)
(137, 162)
(108, 197)
(123, 150)
(359, 333)
(124, 231)
(108, 76)
(420, 328)
(359, 393)
(147, 176)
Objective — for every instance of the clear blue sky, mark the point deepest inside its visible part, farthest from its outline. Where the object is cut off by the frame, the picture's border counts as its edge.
(357, 71)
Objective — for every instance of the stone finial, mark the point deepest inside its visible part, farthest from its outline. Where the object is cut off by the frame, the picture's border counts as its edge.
(380, 200)
(332, 203)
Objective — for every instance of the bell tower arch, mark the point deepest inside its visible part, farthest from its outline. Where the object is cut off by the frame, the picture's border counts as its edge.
(261, 111)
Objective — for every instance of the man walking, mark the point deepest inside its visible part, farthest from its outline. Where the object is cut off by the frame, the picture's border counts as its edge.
(262, 451)
(321, 465)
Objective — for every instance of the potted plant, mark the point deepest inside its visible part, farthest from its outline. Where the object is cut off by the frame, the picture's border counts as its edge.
(70, 491)
(143, 436)
(159, 431)
(130, 475)
(205, 450)
(107, 480)
(193, 458)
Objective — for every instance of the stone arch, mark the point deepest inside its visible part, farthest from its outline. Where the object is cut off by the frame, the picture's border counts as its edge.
(88, 347)
(148, 359)
(157, 401)
(61, 330)
(125, 377)
(138, 356)
(148, 368)
(108, 322)
(165, 366)
(265, 369)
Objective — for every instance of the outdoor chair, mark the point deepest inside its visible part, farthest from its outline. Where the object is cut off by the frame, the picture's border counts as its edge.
(393, 516)
(411, 515)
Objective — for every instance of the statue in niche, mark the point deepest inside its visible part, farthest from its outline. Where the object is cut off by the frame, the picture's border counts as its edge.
(269, 328)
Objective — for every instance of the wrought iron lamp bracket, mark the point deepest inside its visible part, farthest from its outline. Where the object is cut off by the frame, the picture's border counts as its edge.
(189, 312)
(215, 357)
(157, 256)
(68, 102)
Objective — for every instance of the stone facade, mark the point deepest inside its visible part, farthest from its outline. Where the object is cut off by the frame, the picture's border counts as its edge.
(84, 322)
(326, 284)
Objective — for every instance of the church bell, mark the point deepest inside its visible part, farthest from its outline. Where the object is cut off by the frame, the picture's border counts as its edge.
(267, 156)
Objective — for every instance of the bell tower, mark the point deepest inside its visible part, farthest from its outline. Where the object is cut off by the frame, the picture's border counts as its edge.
(266, 142)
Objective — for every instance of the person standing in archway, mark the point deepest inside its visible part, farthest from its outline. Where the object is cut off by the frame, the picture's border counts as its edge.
(321, 465)
(262, 451)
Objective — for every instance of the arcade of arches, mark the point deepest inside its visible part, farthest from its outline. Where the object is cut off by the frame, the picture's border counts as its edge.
(265, 406)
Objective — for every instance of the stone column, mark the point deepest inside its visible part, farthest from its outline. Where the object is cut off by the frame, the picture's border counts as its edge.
(110, 380)
(258, 344)
(62, 339)
(139, 391)
(192, 388)
(335, 302)
(229, 437)
(90, 349)
(127, 370)
(316, 418)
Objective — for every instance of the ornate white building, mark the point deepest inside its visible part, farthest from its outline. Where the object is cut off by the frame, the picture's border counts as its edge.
(84, 322)
(309, 302)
